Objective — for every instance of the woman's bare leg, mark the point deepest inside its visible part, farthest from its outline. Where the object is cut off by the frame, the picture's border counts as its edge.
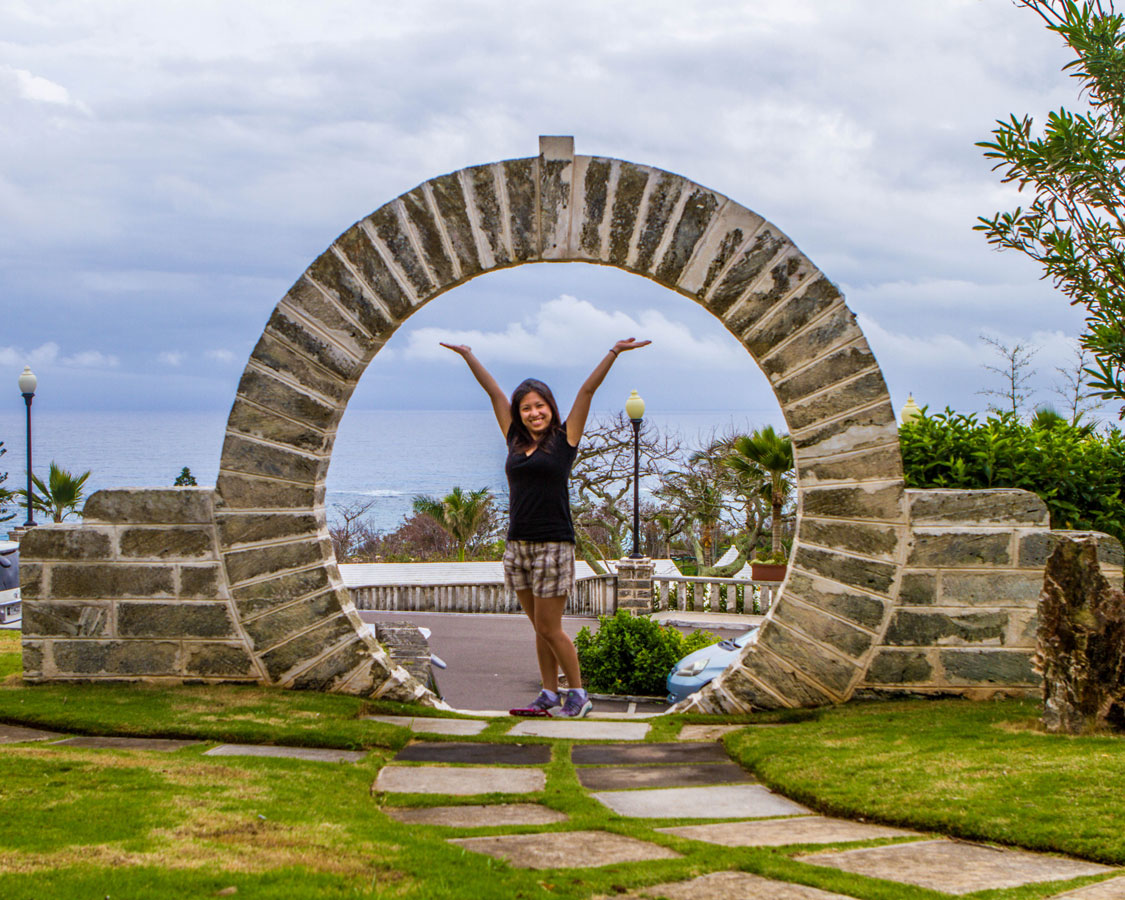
(548, 628)
(548, 662)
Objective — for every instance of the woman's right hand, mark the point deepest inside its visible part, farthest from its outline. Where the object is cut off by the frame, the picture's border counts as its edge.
(463, 349)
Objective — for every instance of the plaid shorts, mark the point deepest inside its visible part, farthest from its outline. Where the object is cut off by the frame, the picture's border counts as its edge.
(546, 568)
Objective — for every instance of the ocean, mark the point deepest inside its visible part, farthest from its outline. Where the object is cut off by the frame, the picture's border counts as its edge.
(389, 455)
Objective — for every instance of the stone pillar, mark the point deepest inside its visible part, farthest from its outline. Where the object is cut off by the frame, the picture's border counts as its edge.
(16, 534)
(634, 585)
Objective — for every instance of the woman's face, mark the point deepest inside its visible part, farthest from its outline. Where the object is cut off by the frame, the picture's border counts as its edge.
(535, 413)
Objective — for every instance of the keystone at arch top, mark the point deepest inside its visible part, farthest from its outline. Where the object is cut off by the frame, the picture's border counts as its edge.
(239, 582)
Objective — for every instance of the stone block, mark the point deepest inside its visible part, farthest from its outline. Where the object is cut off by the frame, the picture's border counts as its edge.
(452, 206)
(181, 619)
(900, 667)
(997, 506)
(956, 549)
(873, 426)
(839, 365)
(248, 492)
(181, 542)
(877, 577)
(42, 618)
(482, 184)
(877, 464)
(862, 391)
(718, 247)
(421, 219)
(250, 457)
(862, 609)
(698, 211)
(338, 280)
(150, 506)
(766, 245)
(918, 589)
(824, 628)
(342, 348)
(328, 673)
(477, 816)
(32, 656)
(356, 246)
(274, 627)
(878, 541)
(556, 173)
(565, 849)
(923, 629)
(317, 298)
(262, 596)
(988, 667)
(307, 646)
(663, 197)
(115, 658)
(629, 190)
(991, 589)
(388, 225)
(824, 668)
(200, 583)
(833, 330)
(251, 528)
(270, 393)
(96, 580)
(519, 180)
(31, 580)
(251, 421)
(1035, 548)
(70, 542)
(244, 565)
(212, 660)
(592, 183)
(861, 501)
(335, 383)
(760, 668)
(795, 310)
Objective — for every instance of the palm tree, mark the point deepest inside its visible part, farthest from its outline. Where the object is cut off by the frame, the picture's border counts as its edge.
(766, 450)
(459, 514)
(60, 496)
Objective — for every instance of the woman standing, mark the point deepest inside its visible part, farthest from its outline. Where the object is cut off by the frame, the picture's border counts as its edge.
(539, 556)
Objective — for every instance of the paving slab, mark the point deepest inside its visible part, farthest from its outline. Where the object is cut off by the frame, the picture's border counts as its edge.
(581, 729)
(1113, 889)
(646, 754)
(780, 832)
(707, 732)
(731, 886)
(420, 724)
(18, 734)
(481, 754)
(563, 850)
(313, 754)
(609, 778)
(459, 780)
(477, 816)
(955, 867)
(159, 745)
(736, 801)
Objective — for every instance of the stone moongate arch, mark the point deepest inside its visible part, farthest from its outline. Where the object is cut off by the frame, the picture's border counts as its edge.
(299, 623)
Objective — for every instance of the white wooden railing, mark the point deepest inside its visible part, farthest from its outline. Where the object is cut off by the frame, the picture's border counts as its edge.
(716, 595)
(595, 596)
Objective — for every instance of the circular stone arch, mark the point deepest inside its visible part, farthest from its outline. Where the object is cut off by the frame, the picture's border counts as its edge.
(299, 619)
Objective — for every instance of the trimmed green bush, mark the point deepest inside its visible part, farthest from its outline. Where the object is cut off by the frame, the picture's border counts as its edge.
(633, 654)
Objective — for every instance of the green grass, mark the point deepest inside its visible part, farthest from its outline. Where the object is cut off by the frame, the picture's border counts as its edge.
(95, 823)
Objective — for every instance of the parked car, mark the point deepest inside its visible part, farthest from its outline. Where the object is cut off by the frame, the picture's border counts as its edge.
(698, 668)
(10, 614)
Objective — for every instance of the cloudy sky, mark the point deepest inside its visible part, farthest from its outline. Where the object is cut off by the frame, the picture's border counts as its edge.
(169, 169)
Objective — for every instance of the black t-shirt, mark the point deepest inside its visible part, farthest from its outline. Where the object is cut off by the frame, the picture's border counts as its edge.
(538, 500)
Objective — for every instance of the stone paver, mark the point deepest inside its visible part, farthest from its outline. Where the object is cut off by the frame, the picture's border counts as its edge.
(736, 801)
(481, 754)
(1113, 889)
(159, 745)
(422, 725)
(477, 816)
(313, 754)
(17, 734)
(651, 754)
(780, 832)
(955, 867)
(707, 732)
(459, 780)
(568, 849)
(581, 729)
(609, 778)
(731, 886)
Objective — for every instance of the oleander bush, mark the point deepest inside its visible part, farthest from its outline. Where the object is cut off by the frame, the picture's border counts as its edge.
(633, 654)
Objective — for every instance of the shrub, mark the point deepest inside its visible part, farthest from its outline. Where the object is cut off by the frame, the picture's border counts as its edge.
(633, 654)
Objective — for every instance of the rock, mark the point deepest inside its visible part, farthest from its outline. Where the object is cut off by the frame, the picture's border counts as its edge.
(1081, 642)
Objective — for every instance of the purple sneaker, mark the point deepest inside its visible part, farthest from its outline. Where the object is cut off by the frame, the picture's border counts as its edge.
(540, 706)
(577, 704)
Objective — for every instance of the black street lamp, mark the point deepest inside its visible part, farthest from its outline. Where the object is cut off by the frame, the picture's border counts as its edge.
(635, 410)
(28, 382)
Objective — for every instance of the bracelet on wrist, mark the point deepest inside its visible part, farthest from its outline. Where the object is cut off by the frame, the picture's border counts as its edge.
(615, 352)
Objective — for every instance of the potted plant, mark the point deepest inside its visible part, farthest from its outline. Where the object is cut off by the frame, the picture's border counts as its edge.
(768, 566)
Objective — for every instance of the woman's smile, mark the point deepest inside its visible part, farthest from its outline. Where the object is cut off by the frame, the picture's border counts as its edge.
(535, 412)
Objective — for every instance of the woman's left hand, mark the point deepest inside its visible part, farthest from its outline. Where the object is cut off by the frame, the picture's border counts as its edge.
(629, 344)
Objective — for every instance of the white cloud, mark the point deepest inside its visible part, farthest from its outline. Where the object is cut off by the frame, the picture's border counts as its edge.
(91, 359)
(220, 355)
(172, 357)
(43, 355)
(38, 89)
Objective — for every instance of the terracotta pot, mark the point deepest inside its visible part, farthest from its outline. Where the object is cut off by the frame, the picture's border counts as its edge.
(767, 571)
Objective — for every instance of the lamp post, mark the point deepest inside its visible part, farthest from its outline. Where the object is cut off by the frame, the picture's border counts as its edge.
(28, 383)
(635, 410)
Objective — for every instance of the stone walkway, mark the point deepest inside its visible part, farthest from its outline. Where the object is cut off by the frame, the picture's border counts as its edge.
(691, 778)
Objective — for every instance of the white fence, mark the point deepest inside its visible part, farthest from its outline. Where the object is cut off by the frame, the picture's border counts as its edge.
(714, 595)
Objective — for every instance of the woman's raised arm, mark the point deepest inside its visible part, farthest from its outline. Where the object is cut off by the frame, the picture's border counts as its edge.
(576, 421)
(499, 399)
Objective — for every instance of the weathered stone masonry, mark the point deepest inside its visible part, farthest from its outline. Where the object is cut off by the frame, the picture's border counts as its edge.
(263, 599)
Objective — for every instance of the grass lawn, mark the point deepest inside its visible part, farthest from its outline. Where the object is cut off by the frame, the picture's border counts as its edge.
(95, 823)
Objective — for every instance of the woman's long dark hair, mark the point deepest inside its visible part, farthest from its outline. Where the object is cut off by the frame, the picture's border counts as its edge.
(522, 439)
